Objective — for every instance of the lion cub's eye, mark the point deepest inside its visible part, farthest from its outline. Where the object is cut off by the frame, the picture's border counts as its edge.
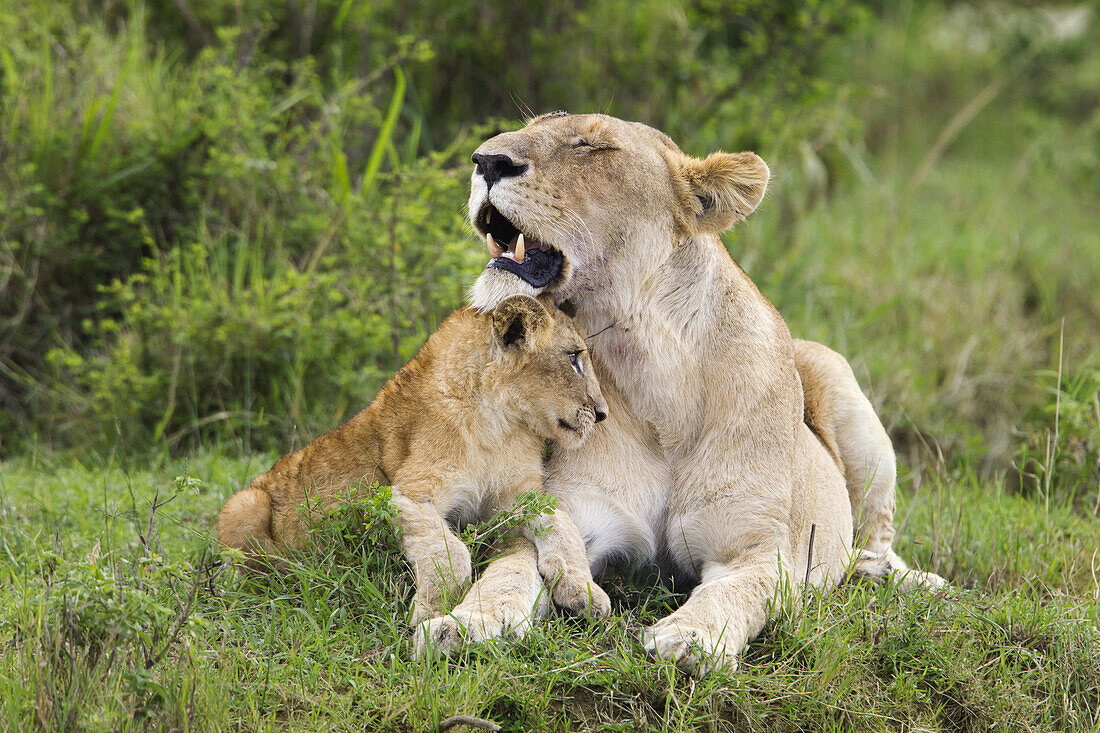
(575, 361)
(582, 143)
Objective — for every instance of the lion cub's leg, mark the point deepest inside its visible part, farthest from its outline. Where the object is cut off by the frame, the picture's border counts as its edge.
(563, 564)
(507, 597)
(245, 524)
(439, 558)
(562, 559)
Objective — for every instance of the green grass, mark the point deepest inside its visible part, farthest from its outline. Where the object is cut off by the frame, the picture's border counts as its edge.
(96, 640)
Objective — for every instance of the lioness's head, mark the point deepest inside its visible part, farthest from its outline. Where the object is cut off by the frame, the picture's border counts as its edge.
(542, 370)
(575, 205)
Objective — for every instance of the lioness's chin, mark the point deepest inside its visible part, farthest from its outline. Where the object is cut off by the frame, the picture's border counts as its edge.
(493, 286)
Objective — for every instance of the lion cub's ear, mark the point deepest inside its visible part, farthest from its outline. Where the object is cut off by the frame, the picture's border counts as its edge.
(723, 189)
(521, 322)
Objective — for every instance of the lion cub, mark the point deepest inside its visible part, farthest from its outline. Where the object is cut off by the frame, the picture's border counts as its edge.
(458, 432)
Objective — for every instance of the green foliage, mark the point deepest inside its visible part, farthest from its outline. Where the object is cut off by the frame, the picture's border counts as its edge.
(220, 220)
(481, 537)
(105, 624)
(216, 244)
(716, 73)
(246, 337)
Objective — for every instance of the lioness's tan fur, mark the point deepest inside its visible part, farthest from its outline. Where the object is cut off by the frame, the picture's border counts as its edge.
(727, 441)
(459, 432)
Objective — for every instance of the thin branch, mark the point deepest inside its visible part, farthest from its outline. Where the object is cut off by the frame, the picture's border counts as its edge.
(470, 721)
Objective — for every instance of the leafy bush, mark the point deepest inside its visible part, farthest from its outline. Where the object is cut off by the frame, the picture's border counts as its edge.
(729, 74)
(256, 342)
(221, 219)
(225, 220)
(106, 624)
(212, 248)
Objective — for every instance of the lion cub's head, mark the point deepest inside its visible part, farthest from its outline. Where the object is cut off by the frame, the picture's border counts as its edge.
(578, 205)
(541, 369)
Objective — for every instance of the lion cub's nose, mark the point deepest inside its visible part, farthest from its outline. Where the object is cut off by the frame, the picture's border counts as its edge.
(600, 415)
(493, 167)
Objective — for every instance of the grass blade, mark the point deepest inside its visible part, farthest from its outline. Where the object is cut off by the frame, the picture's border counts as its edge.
(374, 161)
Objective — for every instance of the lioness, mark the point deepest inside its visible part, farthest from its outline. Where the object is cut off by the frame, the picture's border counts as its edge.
(727, 441)
(459, 431)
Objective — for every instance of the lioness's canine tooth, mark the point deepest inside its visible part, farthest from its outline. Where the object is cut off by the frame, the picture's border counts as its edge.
(520, 253)
(494, 250)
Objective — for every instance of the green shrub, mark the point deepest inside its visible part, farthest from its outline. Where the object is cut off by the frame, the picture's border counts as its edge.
(232, 337)
(215, 246)
(728, 74)
(220, 219)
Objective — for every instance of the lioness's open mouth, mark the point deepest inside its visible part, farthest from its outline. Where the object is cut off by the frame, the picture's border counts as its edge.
(533, 261)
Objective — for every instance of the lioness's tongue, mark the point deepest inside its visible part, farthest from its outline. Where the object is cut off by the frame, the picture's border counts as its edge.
(538, 268)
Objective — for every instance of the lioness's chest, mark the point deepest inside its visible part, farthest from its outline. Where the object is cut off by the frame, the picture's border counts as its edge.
(659, 380)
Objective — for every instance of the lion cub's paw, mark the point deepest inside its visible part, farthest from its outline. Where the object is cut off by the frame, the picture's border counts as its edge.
(692, 649)
(578, 594)
(436, 581)
(444, 634)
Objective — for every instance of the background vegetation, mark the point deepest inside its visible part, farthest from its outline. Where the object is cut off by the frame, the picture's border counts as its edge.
(223, 225)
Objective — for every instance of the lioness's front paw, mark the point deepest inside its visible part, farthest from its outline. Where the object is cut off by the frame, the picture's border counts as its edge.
(692, 649)
(578, 594)
(439, 635)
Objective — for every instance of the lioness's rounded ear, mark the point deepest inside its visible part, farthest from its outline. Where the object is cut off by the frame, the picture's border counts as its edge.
(723, 189)
(521, 322)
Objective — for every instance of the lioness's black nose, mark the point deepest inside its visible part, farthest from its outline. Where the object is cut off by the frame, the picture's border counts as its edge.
(600, 415)
(495, 167)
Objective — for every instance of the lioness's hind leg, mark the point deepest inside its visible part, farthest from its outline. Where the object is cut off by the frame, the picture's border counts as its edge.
(439, 558)
(842, 417)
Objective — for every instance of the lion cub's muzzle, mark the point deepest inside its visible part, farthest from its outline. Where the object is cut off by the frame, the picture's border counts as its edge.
(583, 422)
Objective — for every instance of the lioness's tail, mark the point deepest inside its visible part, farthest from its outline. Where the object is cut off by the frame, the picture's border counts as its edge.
(842, 417)
(245, 524)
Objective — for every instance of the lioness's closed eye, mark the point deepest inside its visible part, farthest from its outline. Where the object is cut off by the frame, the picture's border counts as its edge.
(459, 431)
